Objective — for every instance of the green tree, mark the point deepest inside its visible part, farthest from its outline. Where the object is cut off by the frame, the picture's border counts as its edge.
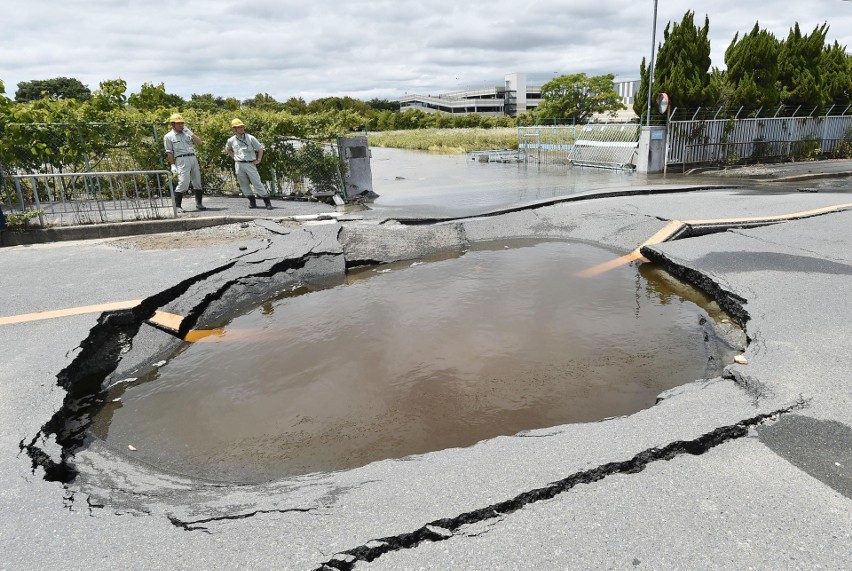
(640, 99)
(205, 102)
(111, 95)
(682, 69)
(383, 105)
(154, 97)
(752, 75)
(59, 88)
(262, 101)
(578, 97)
(411, 119)
(232, 104)
(683, 64)
(295, 106)
(799, 67)
(338, 104)
(836, 72)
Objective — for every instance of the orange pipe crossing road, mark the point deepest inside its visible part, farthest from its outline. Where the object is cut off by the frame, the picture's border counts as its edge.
(662, 235)
(173, 322)
(674, 226)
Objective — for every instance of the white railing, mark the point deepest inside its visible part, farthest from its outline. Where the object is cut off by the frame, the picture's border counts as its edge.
(92, 197)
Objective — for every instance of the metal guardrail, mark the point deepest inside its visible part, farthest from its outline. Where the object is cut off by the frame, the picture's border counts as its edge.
(91, 197)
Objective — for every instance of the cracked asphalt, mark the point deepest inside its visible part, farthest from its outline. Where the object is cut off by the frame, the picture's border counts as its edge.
(752, 469)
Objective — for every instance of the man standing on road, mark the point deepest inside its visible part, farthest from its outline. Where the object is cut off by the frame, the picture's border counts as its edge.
(247, 151)
(180, 152)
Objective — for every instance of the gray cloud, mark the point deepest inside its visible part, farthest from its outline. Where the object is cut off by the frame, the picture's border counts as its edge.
(363, 48)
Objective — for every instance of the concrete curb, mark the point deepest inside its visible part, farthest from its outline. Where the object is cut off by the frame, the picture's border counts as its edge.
(115, 230)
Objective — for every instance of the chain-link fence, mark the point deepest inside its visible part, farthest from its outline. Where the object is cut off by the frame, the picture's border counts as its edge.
(300, 168)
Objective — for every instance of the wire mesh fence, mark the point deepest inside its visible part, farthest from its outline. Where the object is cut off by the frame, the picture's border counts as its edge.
(300, 168)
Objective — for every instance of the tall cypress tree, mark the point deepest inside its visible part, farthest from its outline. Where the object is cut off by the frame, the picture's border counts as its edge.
(799, 67)
(836, 73)
(640, 99)
(682, 69)
(752, 76)
(683, 64)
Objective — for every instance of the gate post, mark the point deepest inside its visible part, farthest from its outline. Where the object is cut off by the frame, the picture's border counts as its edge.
(651, 157)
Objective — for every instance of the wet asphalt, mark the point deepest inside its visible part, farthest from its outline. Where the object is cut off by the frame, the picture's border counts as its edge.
(748, 470)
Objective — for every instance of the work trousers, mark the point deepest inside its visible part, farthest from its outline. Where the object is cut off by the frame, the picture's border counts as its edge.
(248, 178)
(188, 170)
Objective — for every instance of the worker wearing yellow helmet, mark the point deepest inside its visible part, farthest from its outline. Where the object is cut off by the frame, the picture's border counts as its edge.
(180, 145)
(247, 152)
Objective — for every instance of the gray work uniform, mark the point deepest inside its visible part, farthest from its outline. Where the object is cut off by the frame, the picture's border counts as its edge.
(245, 150)
(181, 145)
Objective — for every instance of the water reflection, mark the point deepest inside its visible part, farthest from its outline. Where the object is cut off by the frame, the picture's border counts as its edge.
(455, 184)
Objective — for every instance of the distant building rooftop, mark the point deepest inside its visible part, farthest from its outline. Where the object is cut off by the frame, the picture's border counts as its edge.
(512, 98)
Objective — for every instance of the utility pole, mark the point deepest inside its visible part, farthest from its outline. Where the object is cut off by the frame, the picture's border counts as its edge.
(651, 69)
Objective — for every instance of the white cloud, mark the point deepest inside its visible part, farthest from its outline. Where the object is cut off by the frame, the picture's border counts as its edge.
(363, 48)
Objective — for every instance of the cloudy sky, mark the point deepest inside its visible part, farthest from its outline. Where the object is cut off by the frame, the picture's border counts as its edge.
(364, 48)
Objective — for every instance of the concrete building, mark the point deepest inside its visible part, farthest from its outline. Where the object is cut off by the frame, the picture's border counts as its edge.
(513, 98)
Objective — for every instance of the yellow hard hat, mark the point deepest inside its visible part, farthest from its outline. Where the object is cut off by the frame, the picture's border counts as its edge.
(176, 118)
(237, 123)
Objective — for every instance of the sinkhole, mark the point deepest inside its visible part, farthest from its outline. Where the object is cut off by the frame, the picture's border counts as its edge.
(410, 358)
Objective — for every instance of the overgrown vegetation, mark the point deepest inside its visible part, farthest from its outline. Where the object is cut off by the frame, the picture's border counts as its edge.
(22, 221)
(844, 146)
(448, 140)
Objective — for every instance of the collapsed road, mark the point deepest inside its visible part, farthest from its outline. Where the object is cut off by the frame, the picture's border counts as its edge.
(750, 469)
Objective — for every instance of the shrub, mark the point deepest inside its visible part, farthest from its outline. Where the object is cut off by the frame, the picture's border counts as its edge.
(843, 150)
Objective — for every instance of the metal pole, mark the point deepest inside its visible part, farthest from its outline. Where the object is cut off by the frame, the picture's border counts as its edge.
(651, 69)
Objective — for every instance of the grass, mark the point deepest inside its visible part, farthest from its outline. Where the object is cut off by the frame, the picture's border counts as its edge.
(450, 141)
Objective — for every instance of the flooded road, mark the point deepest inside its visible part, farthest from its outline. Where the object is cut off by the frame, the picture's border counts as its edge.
(455, 184)
(415, 357)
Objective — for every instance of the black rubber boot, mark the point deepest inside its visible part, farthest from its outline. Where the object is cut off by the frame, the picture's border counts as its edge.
(179, 201)
(198, 194)
(267, 202)
(252, 202)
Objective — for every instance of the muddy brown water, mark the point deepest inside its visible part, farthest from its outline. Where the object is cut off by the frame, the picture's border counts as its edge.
(417, 357)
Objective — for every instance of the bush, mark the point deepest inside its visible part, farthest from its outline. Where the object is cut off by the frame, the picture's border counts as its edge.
(843, 150)
(22, 221)
(806, 150)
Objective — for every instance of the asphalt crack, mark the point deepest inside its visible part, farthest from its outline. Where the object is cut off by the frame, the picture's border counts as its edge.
(731, 303)
(100, 354)
(443, 529)
(198, 310)
(195, 525)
